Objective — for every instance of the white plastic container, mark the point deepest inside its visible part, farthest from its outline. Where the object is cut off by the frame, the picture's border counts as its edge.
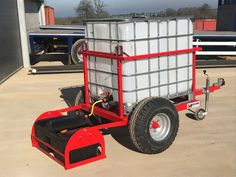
(164, 76)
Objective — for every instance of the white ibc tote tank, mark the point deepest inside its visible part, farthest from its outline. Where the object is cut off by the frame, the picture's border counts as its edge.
(168, 76)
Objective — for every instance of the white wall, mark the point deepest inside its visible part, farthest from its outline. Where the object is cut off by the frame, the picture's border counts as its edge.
(42, 19)
(23, 33)
(32, 17)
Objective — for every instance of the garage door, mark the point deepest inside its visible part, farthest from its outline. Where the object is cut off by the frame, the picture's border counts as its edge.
(10, 47)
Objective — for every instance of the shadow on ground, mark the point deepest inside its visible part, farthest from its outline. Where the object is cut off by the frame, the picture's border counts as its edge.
(190, 116)
(69, 94)
(121, 135)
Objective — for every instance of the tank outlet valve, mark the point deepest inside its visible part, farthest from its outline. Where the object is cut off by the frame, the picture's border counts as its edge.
(106, 97)
(221, 81)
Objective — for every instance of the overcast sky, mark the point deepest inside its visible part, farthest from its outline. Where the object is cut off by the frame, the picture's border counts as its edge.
(66, 8)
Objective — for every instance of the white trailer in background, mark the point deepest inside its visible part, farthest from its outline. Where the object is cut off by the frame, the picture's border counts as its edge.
(216, 45)
(215, 42)
(199, 43)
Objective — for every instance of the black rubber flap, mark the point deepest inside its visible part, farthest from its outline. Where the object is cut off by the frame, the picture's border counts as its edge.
(84, 153)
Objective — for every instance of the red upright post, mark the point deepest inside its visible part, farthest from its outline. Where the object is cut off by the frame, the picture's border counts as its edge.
(85, 64)
(194, 75)
(120, 88)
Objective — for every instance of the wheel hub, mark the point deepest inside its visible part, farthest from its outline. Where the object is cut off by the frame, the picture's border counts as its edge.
(155, 125)
(80, 57)
(159, 127)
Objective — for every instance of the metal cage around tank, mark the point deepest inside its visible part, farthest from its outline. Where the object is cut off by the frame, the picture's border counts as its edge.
(169, 75)
(119, 57)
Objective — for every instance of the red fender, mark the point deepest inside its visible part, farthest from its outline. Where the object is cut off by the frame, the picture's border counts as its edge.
(82, 138)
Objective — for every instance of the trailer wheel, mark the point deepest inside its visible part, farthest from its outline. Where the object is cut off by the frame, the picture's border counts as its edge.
(153, 125)
(200, 114)
(76, 58)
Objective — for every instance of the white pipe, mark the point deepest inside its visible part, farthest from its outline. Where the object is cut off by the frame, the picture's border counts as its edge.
(56, 34)
(227, 53)
(214, 43)
(23, 33)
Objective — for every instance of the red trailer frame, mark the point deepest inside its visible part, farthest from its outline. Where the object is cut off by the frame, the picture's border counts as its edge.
(90, 135)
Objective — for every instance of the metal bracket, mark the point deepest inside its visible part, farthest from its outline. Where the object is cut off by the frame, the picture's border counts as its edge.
(207, 90)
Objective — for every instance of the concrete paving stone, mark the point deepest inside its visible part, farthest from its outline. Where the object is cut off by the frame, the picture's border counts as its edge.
(201, 149)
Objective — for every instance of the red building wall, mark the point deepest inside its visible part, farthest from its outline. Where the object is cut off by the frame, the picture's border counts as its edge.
(49, 15)
(205, 25)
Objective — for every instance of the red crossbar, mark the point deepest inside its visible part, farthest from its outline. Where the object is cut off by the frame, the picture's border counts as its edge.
(211, 89)
(137, 57)
(161, 54)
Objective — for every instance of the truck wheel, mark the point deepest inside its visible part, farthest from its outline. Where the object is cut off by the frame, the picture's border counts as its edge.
(76, 58)
(153, 125)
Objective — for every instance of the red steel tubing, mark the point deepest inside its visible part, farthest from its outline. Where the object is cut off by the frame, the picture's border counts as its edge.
(130, 58)
(194, 75)
(120, 88)
(138, 57)
(85, 63)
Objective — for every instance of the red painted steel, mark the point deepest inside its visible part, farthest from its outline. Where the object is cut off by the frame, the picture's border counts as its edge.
(82, 138)
(138, 57)
(161, 54)
(205, 25)
(105, 113)
(194, 75)
(211, 89)
(101, 54)
(120, 88)
(91, 135)
(86, 89)
(46, 115)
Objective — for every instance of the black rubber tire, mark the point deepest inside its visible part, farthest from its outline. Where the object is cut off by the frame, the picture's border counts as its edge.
(74, 50)
(199, 114)
(140, 121)
(80, 96)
